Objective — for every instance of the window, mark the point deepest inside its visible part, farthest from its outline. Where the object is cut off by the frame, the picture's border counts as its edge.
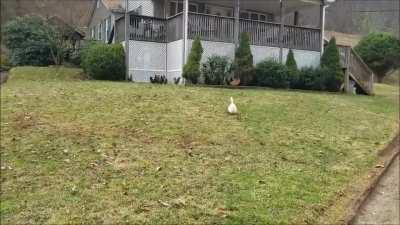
(107, 30)
(172, 8)
(244, 15)
(218, 10)
(256, 16)
(192, 8)
(296, 18)
(98, 4)
(92, 33)
(180, 7)
(99, 31)
(177, 7)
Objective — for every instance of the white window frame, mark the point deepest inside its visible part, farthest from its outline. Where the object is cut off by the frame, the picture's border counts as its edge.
(106, 34)
(92, 33)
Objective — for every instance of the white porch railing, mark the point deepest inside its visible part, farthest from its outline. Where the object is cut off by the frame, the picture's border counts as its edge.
(221, 29)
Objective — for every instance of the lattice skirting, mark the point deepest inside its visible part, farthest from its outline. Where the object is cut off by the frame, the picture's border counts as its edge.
(147, 59)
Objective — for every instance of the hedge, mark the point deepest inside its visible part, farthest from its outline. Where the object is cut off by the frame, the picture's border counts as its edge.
(104, 62)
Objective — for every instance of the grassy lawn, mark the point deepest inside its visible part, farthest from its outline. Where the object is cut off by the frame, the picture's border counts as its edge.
(112, 152)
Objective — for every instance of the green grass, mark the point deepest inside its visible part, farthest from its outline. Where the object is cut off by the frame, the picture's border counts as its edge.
(115, 152)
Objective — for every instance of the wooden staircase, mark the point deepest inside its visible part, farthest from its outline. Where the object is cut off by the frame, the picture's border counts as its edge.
(357, 71)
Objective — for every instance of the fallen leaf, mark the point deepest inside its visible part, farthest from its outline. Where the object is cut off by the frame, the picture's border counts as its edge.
(164, 203)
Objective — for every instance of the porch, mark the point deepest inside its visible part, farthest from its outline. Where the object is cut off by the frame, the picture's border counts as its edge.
(161, 38)
(222, 29)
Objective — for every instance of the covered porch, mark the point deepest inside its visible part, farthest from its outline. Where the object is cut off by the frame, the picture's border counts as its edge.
(269, 23)
(161, 37)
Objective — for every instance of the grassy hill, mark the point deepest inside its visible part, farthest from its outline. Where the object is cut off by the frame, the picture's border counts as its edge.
(113, 152)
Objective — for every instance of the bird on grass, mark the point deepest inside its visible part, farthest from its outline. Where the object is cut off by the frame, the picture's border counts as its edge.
(232, 109)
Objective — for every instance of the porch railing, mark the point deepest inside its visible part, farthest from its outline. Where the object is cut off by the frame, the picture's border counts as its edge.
(221, 29)
(301, 38)
(211, 28)
(174, 28)
(144, 28)
(261, 33)
(361, 72)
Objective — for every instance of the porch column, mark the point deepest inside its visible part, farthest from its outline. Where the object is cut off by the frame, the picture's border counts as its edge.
(237, 26)
(281, 29)
(322, 24)
(127, 25)
(185, 30)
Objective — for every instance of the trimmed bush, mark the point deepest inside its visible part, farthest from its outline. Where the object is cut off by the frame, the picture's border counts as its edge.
(83, 53)
(272, 74)
(330, 58)
(321, 79)
(291, 61)
(309, 79)
(291, 64)
(191, 70)
(104, 62)
(381, 52)
(243, 64)
(215, 70)
(333, 75)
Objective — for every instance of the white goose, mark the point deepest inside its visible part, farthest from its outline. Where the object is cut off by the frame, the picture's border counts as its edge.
(232, 109)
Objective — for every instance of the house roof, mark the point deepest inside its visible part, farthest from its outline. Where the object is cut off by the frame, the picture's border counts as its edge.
(344, 39)
(114, 4)
(57, 21)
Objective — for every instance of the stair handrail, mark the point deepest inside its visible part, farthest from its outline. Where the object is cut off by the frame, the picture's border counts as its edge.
(365, 67)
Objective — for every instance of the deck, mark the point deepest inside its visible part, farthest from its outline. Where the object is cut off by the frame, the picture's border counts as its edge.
(222, 29)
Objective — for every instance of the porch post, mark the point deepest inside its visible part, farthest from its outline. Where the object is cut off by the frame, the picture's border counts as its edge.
(281, 29)
(237, 26)
(127, 25)
(185, 29)
(322, 25)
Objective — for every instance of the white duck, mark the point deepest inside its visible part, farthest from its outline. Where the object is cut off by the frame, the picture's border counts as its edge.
(232, 109)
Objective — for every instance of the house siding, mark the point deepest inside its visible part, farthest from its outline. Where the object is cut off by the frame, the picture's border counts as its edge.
(119, 30)
(309, 17)
(99, 17)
